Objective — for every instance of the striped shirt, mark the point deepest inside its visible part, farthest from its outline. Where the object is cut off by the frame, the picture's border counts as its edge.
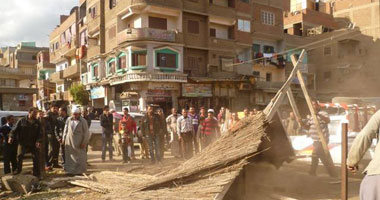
(323, 124)
(210, 126)
(184, 125)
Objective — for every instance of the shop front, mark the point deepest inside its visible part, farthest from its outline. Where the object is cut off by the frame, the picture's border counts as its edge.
(195, 95)
(97, 97)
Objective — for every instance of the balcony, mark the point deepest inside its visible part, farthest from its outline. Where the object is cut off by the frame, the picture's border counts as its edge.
(244, 69)
(93, 51)
(67, 96)
(45, 84)
(93, 24)
(221, 11)
(138, 34)
(218, 43)
(71, 72)
(268, 85)
(18, 71)
(56, 96)
(162, 3)
(56, 77)
(66, 50)
(153, 77)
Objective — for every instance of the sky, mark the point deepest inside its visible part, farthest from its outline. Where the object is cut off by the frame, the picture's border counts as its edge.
(31, 20)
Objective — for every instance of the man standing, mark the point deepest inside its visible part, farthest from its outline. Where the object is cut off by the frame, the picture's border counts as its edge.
(318, 152)
(186, 130)
(61, 121)
(151, 126)
(195, 121)
(164, 131)
(210, 128)
(130, 129)
(106, 121)
(9, 150)
(75, 137)
(28, 135)
(54, 145)
(370, 186)
(86, 117)
(171, 122)
(292, 124)
(246, 113)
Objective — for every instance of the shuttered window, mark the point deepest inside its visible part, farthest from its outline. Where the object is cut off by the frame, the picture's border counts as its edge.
(158, 23)
(193, 26)
(212, 32)
(139, 59)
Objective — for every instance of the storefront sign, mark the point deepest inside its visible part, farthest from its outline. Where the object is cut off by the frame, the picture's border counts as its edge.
(163, 86)
(159, 93)
(197, 90)
(97, 93)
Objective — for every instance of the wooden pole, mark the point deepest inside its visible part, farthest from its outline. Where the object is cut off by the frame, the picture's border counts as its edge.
(344, 183)
(273, 105)
(329, 162)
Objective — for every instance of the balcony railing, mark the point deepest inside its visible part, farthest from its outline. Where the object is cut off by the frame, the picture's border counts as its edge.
(268, 84)
(72, 71)
(223, 11)
(154, 77)
(56, 77)
(163, 3)
(18, 71)
(136, 34)
(93, 51)
(219, 43)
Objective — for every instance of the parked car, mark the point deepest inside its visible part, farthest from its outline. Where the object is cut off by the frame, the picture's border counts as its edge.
(96, 131)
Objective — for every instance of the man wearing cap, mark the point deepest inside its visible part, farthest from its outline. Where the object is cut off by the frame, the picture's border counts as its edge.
(210, 128)
(75, 137)
(186, 130)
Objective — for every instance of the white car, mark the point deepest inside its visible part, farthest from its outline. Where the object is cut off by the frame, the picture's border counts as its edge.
(304, 144)
(96, 131)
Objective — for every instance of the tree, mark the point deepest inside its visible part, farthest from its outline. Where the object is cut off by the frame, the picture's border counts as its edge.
(80, 94)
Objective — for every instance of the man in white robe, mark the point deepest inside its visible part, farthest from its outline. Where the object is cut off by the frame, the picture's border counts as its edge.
(75, 137)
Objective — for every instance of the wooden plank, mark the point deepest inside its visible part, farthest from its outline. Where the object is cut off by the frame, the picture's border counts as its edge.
(329, 162)
(273, 105)
(344, 184)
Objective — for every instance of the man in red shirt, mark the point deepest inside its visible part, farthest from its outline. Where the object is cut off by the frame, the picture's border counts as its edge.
(127, 126)
(210, 129)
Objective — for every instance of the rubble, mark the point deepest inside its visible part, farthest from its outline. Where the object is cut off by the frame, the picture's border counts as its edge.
(22, 184)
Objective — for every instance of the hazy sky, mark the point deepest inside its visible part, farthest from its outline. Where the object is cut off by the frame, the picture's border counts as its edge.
(31, 20)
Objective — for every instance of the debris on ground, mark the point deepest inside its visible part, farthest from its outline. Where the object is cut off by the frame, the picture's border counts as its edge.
(22, 184)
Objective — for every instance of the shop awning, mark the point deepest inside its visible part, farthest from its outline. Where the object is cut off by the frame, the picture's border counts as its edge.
(207, 79)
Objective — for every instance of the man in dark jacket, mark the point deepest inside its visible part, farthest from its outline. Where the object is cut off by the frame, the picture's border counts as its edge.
(151, 129)
(28, 135)
(9, 150)
(106, 121)
(61, 121)
(54, 145)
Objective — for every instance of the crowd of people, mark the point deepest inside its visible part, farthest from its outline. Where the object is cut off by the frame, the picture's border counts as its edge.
(55, 136)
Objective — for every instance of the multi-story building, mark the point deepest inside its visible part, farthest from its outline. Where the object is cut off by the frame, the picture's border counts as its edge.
(182, 53)
(363, 13)
(65, 55)
(309, 17)
(18, 76)
(45, 87)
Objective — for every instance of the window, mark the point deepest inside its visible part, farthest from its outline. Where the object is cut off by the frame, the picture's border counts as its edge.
(267, 18)
(121, 61)
(327, 51)
(245, 1)
(95, 71)
(166, 60)
(256, 74)
(212, 32)
(56, 45)
(63, 38)
(268, 77)
(268, 49)
(244, 25)
(92, 12)
(139, 58)
(193, 26)
(112, 32)
(83, 38)
(112, 3)
(111, 64)
(158, 23)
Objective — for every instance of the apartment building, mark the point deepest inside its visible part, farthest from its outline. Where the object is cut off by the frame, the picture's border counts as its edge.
(171, 53)
(65, 55)
(310, 17)
(363, 13)
(18, 76)
(44, 85)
